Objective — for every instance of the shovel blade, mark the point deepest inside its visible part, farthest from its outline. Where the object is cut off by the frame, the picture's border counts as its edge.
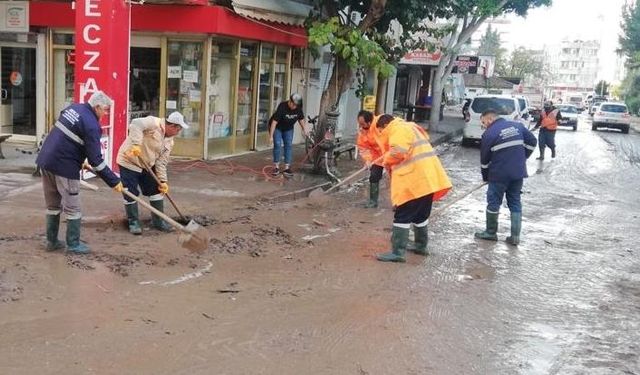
(196, 239)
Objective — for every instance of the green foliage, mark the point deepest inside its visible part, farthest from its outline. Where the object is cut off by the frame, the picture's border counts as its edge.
(629, 40)
(602, 88)
(527, 64)
(349, 44)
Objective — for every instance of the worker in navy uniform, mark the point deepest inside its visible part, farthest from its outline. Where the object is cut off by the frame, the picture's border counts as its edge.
(74, 138)
(504, 149)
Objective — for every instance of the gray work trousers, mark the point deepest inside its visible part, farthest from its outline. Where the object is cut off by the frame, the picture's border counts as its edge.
(61, 194)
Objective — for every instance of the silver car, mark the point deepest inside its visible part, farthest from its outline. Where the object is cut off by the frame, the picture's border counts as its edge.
(611, 115)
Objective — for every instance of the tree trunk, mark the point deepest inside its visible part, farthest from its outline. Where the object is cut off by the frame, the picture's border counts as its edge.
(339, 83)
(381, 95)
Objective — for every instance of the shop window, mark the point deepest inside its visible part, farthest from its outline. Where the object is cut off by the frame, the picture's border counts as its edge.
(264, 94)
(184, 72)
(144, 82)
(246, 87)
(222, 79)
(63, 79)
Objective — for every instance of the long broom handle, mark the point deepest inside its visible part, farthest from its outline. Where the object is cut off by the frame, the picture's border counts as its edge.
(155, 211)
(440, 210)
(155, 177)
(351, 176)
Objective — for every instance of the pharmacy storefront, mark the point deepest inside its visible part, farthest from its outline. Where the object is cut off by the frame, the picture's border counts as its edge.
(223, 71)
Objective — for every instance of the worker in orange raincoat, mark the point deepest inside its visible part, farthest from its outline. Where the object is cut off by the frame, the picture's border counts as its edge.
(370, 151)
(417, 180)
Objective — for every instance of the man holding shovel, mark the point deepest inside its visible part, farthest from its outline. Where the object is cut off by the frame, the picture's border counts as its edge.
(148, 144)
(370, 152)
(74, 138)
(417, 180)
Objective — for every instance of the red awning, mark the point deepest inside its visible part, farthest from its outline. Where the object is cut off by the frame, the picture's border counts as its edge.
(207, 19)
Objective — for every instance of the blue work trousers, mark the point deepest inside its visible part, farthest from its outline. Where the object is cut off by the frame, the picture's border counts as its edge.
(497, 191)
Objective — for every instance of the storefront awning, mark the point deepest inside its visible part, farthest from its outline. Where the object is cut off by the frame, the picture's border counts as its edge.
(281, 11)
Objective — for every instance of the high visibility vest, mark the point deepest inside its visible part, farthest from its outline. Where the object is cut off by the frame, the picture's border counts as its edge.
(416, 170)
(549, 121)
(368, 142)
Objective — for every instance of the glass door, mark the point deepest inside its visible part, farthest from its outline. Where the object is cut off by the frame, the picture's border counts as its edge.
(221, 85)
(144, 82)
(265, 95)
(18, 90)
(246, 92)
(184, 84)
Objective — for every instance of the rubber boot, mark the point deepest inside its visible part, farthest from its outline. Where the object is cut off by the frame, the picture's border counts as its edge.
(553, 153)
(132, 218)
(156, 220)
(421, 237)
(73, 238)
(541, 157)
(374, 192)
(399, 238)
(516, 226)
(492, 228)
(53, 226)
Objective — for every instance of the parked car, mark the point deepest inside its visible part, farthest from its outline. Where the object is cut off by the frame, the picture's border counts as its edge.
(594, 106)
(569, 114)
(505, 106)
(612, 115)
(524, 107)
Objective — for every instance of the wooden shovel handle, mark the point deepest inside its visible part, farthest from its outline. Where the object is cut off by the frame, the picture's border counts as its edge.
(155, 177)
(351, 176)
(166, 218)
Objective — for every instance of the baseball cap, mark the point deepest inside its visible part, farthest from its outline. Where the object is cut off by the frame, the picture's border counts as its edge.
(178, 119)
(296, 99)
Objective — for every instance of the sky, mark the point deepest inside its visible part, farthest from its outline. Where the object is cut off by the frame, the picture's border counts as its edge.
(570, 19)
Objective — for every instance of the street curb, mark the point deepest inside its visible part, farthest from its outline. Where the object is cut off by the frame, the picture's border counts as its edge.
(447, 137)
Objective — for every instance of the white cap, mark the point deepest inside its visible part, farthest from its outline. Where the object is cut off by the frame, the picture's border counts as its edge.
(178, 119)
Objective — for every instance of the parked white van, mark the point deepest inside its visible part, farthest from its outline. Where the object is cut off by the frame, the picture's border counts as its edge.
(506, 106)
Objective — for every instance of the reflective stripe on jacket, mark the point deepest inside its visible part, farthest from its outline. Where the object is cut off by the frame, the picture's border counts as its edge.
(549, 121)
(368, 142)
(416, 170)
(504, 149)
(148, 133)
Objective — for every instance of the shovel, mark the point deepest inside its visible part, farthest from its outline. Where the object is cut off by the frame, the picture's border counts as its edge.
(193, 237)
(316, 193)
(152, 173)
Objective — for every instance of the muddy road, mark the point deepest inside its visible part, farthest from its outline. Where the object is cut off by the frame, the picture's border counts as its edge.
(293, 288)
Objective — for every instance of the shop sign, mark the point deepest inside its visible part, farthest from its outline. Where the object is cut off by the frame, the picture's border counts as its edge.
(101, 63)
(422, 57)
(466, 64)
(369, 103)
(14, 16)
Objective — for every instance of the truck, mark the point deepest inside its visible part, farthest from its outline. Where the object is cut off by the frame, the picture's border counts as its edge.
(575, 99)
(535, 97)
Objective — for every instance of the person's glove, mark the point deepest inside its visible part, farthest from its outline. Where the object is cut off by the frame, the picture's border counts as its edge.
(163, 188)
(119, 187)
(135, 150)
(485, 174)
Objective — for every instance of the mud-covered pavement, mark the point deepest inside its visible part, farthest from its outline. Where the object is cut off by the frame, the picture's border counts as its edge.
(293, 288)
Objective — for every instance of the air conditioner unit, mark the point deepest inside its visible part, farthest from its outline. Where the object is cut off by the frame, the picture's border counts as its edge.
(356, 17)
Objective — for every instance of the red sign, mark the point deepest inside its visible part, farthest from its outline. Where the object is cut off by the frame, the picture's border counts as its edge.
(422, 57)
(101, 60)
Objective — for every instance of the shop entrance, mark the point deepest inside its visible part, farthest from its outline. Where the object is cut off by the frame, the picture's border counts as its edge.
(144, 82)
(18, 90)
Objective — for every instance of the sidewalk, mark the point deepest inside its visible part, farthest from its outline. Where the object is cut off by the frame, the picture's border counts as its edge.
(635, 123)
(245, 175)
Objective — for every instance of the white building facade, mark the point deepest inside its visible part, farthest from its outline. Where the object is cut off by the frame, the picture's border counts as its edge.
(574, 66)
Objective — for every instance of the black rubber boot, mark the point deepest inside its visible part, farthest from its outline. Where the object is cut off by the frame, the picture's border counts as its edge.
(421, 239)
(73, 238)
(132, 218)
(399, 238)
(516, 226)
(53, 226)
(374, 193)
(156, 220)
(491, 233)
(553, 152)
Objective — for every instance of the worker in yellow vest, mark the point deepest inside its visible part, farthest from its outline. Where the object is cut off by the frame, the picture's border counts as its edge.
(417, 180)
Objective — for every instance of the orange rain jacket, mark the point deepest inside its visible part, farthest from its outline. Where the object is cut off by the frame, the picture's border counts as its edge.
(368, 143)
(549, 121)
(415, 168)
